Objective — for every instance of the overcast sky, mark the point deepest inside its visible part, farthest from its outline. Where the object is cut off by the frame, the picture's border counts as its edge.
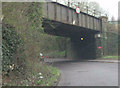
(109, 5)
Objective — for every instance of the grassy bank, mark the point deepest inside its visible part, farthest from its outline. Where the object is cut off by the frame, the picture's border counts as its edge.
(111, 57)
(23, 41)
(40, 75)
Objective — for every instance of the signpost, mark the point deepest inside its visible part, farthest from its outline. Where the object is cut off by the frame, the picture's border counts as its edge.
(77, 10)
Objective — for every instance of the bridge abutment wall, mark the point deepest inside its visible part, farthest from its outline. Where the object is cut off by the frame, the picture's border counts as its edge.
(82, 49)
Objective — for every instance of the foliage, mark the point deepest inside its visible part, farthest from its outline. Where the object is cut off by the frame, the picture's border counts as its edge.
(24, 26)
(52, 77)
(43, 75)
(110, 44)
(11, 47)
(84, 4)
(34, 14)
(56, 54)
(25, 20)
(108, 57)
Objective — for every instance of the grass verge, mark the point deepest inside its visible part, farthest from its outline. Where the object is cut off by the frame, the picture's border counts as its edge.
(111, 57)
(40, 74)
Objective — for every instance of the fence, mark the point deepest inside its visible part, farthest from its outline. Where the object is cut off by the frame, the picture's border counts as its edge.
(110, 39)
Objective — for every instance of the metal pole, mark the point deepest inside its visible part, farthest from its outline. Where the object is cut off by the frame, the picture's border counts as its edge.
(100, 13)
(55, 13)
(87, 9)
(47, 11)
(68, 3)
(94, 12)
(78, 4)
(106, 15)
(68, 11)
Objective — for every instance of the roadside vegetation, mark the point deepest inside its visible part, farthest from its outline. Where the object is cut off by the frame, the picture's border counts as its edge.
(23, 41)
(111, 57)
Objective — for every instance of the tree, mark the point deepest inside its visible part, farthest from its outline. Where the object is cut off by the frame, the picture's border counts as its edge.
(85, 6)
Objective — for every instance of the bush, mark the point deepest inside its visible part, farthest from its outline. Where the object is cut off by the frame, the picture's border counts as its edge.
(12, 46)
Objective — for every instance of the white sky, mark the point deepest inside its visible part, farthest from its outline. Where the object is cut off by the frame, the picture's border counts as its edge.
(111, 6)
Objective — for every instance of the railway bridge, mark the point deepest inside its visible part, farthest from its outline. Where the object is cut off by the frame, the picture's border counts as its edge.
(61, 20)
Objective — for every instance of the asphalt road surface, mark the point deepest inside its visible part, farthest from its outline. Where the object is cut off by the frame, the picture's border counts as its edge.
(77, 73)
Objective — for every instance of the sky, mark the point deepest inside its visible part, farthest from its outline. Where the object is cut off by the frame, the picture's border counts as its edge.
(111, 6)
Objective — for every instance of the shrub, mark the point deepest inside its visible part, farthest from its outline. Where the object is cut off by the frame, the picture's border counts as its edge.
(12, 46)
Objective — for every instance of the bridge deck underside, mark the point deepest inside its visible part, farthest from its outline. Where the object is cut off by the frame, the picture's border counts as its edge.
(85, 49)
(66, 30)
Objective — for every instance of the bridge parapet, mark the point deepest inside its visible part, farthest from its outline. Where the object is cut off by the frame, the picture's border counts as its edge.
(61, 13)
